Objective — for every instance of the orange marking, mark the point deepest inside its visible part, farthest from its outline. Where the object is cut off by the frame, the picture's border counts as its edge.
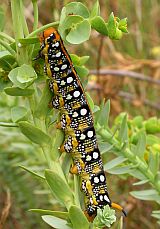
(74, 169)
(118, 207)
(90, 218)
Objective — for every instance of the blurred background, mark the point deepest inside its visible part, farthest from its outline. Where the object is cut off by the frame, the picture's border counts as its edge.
(126, 71)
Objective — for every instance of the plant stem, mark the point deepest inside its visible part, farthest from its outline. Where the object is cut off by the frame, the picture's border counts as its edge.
(7, 37)
(23, 20)
(34, 33)
(35, 10)
(7, 46)
(76, 190)
(8, 124)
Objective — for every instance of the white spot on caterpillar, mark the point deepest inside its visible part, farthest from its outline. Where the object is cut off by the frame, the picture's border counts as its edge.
(63, 82)
(58, 54)
(101, 198)
(96, 180)
(95, 155)
(90, 133)
(88, 158)
(68, 96)
(69, 79)
(106, 198)
(82, 137)
(56, 69)
(102, 178)
(76, 94)
(64, 66)
(83, 111)
(57, 44)
(75, 114)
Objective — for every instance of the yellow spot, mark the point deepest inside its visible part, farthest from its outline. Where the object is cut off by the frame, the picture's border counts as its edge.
(89, 187)
(68, 120)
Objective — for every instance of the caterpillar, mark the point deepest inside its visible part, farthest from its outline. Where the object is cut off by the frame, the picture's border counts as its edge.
(76, 121)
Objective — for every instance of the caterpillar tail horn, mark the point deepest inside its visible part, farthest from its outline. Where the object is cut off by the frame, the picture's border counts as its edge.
(118, 207)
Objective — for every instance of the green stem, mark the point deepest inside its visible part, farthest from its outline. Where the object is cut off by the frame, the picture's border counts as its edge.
(7, 46)
(23, 20)
(7, 37)
(34, 33)
(76, 190)
(35, 10)
(8, 124)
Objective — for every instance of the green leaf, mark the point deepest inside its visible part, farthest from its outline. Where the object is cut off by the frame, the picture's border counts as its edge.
(152, 125)
(102, 116)
(61, 215)
(137, 174)
(141, 182)
(78, 219)
(141, 145)
(138, 121)
(42, 107)
(90, 101)
(152, 139)
(99, 25)
(22, 76)
(34, 134)
(95, 10)
(59, 188)
(71, 21)
(82, 28)
(77, 60)
(82, 71)
(19, 114)
(32, 172)
(6, 60)
(123, 25)
(112, 26)
(15, 91)
(153, 161)
(123, 132)
(115, 162)
(77, 8)
(55, 222)
(150, 194)
(120, 170)
(31, 40)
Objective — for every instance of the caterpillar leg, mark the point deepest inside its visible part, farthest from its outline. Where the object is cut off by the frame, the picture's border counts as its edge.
(74, 169)
(58, 125)
(118, 207)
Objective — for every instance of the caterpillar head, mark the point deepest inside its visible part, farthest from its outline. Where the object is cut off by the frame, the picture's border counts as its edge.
(48, 36)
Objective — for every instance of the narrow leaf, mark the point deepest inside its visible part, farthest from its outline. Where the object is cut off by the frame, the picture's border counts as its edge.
(59, 188)
(19, 114)
(78, 218)
(115, 162)
(34, 134)
(61, 215)
(15, 91)
(55, 222)
(42, 107)
(150, 194)
(141, 145)
(123, 132)
(32, 172)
